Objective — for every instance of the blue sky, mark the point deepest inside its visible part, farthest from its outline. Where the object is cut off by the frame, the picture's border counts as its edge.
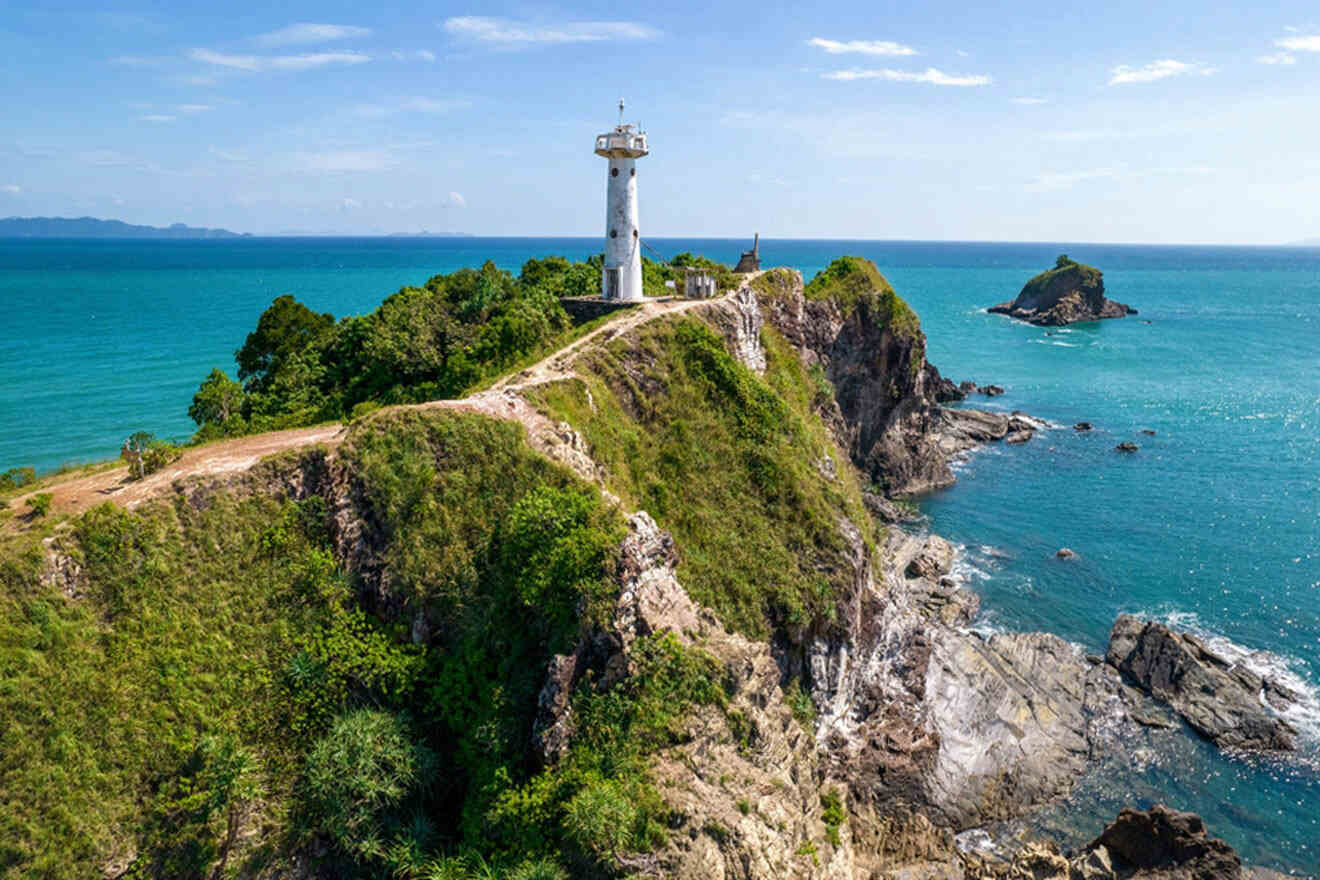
(1146, 122)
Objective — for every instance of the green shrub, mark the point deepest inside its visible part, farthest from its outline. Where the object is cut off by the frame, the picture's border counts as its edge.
(832, 814)
(159, 455)
(16, 478)
(359, 776)
(40, 504)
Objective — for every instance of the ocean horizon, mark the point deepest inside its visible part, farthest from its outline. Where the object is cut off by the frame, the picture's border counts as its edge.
(1212, 526)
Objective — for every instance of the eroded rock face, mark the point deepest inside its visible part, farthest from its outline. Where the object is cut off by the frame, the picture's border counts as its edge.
(1221, 700)
(886, 411)
(1067, 294)
(1168, 844)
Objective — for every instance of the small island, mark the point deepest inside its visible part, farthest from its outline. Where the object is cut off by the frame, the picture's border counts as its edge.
(1067, 294)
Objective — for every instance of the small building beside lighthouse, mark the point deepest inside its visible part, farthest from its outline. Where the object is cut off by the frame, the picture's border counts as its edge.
(621, 278)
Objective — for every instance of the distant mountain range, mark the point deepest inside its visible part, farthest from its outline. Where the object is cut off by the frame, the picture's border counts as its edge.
(90, 227)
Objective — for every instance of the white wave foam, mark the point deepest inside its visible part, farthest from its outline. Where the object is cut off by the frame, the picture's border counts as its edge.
(1304, 714)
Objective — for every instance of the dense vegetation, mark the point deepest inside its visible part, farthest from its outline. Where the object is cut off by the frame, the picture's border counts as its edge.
(215, 692)
(441, 340)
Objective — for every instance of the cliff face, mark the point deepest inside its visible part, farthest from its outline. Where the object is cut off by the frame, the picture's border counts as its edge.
(1066, 294)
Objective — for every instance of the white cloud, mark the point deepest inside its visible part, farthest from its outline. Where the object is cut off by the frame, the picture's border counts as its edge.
(961, 53)
(413, 55)
(343, 161)
(12, 188)
(457, 200)
(1156, 70)
(194, 108)
(304, 33)
(520, 34)
(258, 63)
(861, 47)
(157, 117)
(1309, 43)
(1054, 180)
(930, 75)
(1277, 58)
(350, 204)
(1031, 101)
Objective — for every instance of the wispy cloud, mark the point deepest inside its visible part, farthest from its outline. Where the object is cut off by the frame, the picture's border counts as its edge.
(418, 104)
(137, 61)
(456, 199)
(1031, 101)
(259, 63)
(305, 33)
(1303, 43)
(157, 117)
(930, 76)
(195, 108)
(12, 188)
(1055, 180)
(229, 155)
(861, 47)
(1156, 70)
(1281, 58)
(346, 161)
(413, 55)
(1050, 181)
(511, 34)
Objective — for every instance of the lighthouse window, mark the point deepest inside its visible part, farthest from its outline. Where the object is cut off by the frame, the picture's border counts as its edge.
(614, 172)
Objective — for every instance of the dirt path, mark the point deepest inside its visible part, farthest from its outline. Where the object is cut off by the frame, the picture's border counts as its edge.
(501, 400)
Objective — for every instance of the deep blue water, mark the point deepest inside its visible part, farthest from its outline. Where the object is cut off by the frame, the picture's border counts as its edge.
(1214, 524)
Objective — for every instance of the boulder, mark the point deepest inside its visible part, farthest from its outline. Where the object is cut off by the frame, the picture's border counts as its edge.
(1168, 844)
(1065, 553)
(991, 390)
(967, 386)
(1221, 700)
(1066, 294)
(1083, 426)
(1019, 436)
(1148, 432)
(1126, 446)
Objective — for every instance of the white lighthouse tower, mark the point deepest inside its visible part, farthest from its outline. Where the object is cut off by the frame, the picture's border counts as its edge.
(622, 275)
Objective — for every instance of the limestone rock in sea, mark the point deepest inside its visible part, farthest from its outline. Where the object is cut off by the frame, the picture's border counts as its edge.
(1083, 426)
(1066, 294)
(1148, 432)
(991, 390)
(1020, 436)
(1220, 699)
(1126, 446)
(1065, 553)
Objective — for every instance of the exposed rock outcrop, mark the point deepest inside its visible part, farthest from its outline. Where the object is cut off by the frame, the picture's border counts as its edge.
(1223, 701)
(1066, 294)
(886, 411)
(1165, 843)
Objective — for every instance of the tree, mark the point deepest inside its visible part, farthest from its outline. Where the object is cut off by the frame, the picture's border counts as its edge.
(1063, 261)
(217, 401)
(284, 329)
(136, 444)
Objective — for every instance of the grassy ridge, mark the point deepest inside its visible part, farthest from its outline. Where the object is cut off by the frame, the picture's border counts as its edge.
(727, 461)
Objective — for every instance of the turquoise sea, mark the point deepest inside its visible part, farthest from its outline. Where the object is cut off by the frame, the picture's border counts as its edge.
(1214, 525)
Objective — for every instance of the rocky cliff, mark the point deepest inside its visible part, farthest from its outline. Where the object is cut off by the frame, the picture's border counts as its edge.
(1068, 293)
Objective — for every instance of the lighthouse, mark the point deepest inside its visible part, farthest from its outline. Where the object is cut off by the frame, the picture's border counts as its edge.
(621, 279)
